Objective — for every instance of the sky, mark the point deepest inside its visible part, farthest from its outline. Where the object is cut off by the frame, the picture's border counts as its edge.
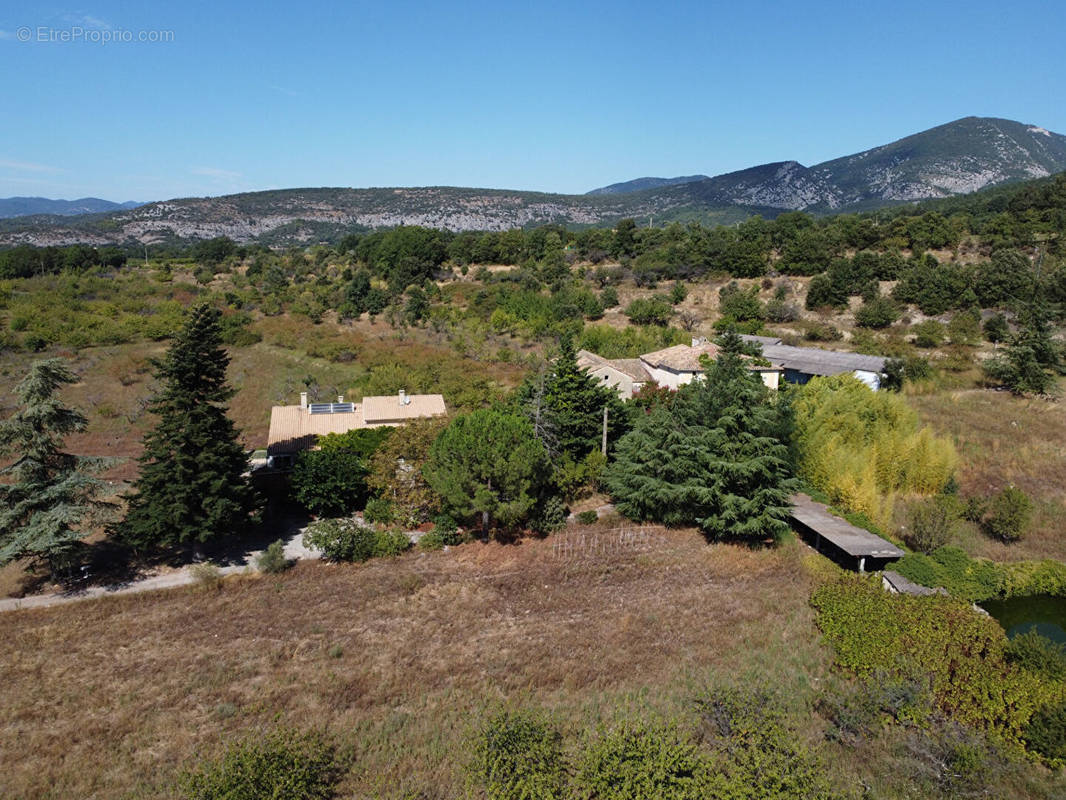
(144, 101)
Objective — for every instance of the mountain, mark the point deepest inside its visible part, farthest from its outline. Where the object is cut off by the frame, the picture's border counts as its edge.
(28, 206)
(956, 158)
(945, 161)
(640, 184)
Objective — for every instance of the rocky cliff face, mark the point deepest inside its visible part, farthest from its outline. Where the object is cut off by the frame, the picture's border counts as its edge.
(959, 157)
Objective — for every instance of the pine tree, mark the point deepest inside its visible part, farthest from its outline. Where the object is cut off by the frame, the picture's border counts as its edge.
(566, 404)
(716, 458)
(51, 493)
(191, 487)
(1032, 357)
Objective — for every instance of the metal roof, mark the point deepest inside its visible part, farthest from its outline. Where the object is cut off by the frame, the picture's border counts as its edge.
(815, 361)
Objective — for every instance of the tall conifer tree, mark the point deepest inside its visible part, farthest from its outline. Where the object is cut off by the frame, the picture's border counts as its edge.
(192, 486)
(51, 493)
(716, 458)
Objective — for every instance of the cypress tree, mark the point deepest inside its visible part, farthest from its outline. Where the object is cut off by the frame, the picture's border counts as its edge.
(191, 487)
(716, 458)
(50, 493)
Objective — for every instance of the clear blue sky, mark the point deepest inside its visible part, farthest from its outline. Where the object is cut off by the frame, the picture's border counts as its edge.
(548, 96)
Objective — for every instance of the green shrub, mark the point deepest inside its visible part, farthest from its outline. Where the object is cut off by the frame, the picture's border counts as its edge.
(609, 297)
(272, 560)
(856, 713)
(390, 543)
(928, 334)
(960, 652)
(588, 517)
(519, 756)
(431, 540)
(445, 527)
(1008, 515)
(649, 311)
(877, 313)
(950, 567)
(282, 765)
(329, 482)
(1046, 732)
(341, 539)
(378, 509)
(206, 575)
(1038, 654)
(754, 755)
(635, 761)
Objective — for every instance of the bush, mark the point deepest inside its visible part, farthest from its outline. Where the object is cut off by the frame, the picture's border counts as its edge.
(877, 313)
(1008, 515)
(1038, 654)
(1046, 732)
(588, 517)
(431, 540)
(959, 652)
(446, 528)
(649, 311)
(931, 523)
(341, 539)
(391, 543)
(518, 756)
(822, 332)
(283, 764)
(635, 762)
(378, 509)
(329, 482)
(928, 334)
(272, 560)
(950, 568)
(855, 713)
(206, 575)
(609, 297)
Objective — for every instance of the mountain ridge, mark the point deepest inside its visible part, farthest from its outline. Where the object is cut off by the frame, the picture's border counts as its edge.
(948, 160)
(30, 206)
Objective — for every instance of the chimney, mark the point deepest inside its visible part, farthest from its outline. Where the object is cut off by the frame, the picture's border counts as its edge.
(303, 399)
(403, 397)
(340, 398)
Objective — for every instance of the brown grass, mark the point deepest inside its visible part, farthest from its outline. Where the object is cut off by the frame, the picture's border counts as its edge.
(107, 697)
(1005, 440)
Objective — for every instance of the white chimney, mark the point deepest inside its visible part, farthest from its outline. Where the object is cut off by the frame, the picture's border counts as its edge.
(403, 397)
(340, 398)
(303, 399)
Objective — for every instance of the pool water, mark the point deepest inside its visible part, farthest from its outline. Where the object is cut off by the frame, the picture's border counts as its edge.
(1043, 613)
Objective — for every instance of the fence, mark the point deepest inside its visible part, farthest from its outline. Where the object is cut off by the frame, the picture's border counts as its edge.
(576, 545)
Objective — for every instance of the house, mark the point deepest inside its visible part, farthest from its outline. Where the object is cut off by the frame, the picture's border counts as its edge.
(803, 363)
(671, 367)
(294, 429)
(625, 375)
(675, 366)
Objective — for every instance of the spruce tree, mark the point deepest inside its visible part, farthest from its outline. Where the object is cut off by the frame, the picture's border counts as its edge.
(48, 494)
(192, 486)
(716, 458)
(566, 404)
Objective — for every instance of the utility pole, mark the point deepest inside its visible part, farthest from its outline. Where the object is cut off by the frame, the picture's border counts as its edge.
(604, 445)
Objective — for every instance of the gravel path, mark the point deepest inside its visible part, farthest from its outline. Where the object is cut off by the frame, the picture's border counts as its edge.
(294, 550)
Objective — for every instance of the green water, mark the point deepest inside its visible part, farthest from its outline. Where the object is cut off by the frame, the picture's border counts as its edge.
(1043, 613)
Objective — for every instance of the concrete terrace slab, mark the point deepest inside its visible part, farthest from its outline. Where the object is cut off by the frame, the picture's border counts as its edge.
(814, 521)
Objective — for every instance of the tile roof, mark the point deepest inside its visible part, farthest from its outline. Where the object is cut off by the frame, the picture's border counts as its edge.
(388, 408)
(681, 357)
(631, 367)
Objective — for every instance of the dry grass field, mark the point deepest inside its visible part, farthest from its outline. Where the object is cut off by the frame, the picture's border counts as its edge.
(397, 658)
(1003, 440)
